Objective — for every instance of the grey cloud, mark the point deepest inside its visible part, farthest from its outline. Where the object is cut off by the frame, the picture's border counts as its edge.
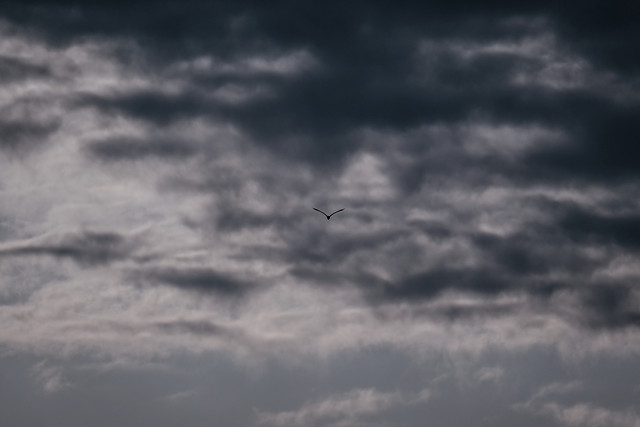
(52, 378)
(15, 69)
(610, 306)
(601, 147)
(200, 279)
(87, 247)
(204, 329)
(320, 247)
(19, 135)
(372, 75)
(469, 312)
(115, 149)
(430, 283)
(562, 250)
(518, 264)
(463, 254)
(434, 229)
(154, 106)
(504, 136)
(230, 219)
(584, 226)
(537, 251)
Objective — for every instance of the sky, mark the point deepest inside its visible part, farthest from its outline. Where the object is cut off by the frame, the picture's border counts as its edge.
(161, 263)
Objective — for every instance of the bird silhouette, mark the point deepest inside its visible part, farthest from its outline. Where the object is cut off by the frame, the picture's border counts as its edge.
(328, 216)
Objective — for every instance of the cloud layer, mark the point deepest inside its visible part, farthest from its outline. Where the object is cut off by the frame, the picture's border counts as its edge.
(159, 166)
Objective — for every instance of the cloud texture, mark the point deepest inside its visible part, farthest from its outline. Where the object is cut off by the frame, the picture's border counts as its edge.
(159, 166)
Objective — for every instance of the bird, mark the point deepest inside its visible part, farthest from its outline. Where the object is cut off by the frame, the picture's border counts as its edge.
(328, 216)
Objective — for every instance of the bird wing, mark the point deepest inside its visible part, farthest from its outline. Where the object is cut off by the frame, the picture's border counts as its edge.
(339, 210)
(320, 211)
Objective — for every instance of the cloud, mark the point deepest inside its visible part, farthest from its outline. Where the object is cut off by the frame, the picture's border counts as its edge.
(485, 156)
(201, 328)
(180, 396)
(490, 374)
(468, 157)
(561, 401)
(20, 135)
(199, 279)
(611, 306)
(585, 414)
(620, 229)
(15, 69)
(430, 283)
(348, 408)
(136, 149)
(89, 248)
(154, 106)
(600, 148)
(555, 389)
(51, 378)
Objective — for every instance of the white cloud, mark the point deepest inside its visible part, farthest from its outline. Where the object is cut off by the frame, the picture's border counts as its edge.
(286, 63)
(489, 374)
(51, 378)
(549, 400)
(179, 396)
(590, 415)
(365, 179)
(344, 409)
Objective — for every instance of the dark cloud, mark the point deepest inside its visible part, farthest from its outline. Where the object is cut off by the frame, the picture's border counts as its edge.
(614, 229)
(115, 149)
(534, 252)
(88, 247)
(604, 31)
(438, 230)
(202, 328)
(312, 116)
(200, 279)
(322, 249)
(16, 69)
(19, 135)
(432, 282)
(540, 262)
(610, 306)
(561, 253)
(485, 153)
(601, 146)
(156, 107)
(479, 311)
(392, 68)
(372, 72)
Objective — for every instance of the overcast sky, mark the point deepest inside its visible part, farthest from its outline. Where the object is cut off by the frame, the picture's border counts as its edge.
(161, 263)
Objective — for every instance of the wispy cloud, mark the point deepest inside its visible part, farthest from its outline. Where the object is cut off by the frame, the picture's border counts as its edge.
(346, 409)
(586, 414)
(88, 247)
(50, 377)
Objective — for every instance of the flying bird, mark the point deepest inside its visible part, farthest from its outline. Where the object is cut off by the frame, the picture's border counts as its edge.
(328, 216)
